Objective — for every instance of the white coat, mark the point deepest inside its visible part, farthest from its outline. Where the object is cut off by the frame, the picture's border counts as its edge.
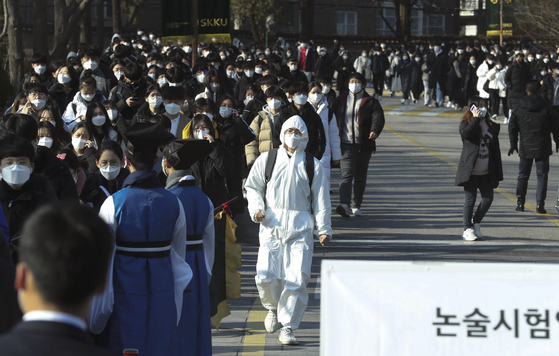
(283, 269)
(482, 72)
(332, 132)
(497, 78)
(363, 68)
(81, 108)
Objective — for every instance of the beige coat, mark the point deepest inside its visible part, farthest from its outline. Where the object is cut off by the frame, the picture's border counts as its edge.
(262, 125)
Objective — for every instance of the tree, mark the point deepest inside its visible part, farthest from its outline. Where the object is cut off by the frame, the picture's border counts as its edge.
(59, 17)
(539, 19)
(255, 12)
(77, 11)
(307, 13)
(85, 25)
(133, 7)
(117, 20)
(402, 28)
(100, 22)
(15, 43)
(40, 28)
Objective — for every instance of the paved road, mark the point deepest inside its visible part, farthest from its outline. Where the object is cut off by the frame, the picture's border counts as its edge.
(412, 211)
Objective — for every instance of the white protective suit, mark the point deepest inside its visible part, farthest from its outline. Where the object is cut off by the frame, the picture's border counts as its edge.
(283, 268)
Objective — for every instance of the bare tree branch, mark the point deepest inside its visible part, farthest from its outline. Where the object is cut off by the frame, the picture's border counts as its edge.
(5, 28)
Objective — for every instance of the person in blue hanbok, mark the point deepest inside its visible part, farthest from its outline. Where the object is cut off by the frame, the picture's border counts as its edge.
(194, 330)
(142, 302)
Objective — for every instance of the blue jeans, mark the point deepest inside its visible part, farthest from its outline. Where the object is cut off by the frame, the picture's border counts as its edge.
(524, 170)
(470, 189)
(440, 96)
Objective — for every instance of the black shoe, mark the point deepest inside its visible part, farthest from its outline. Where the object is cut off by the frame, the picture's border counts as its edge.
(520, 207)
(541, 210)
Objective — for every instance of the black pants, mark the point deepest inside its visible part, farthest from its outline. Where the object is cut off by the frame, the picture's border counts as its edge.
(470, 190)
(524, 170)
(353, 165)
(495, 101)
(378, 83)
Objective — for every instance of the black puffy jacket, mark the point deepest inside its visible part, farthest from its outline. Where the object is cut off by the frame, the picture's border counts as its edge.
(516, 78)
(212, 171)
(533, 119)
(317, 138)
(471, 141)
(123, 91)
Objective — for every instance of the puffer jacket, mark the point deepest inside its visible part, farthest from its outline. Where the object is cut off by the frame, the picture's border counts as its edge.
(516, 78)
(263, 127)
(533, 119)
(77, 108)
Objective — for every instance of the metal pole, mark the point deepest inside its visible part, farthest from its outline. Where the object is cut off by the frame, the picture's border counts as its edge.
(501, 23)
(194, 31)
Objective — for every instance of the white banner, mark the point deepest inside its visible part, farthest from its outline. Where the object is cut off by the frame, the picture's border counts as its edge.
(448, 309)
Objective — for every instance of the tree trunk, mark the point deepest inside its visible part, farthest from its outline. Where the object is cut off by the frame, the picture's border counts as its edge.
(59, 17)
(77, 12)
(100, 23)
(254, 28)
(15, 43)
(117, 21)
(85, 27)
(40, 30)
(405, 20)
(132, 17)
(75, 37)
(307, 10)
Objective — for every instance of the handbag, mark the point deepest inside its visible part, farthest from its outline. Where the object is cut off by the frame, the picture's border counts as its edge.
(486, 86)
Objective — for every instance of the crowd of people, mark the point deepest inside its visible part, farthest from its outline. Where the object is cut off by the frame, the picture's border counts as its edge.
(152, 141)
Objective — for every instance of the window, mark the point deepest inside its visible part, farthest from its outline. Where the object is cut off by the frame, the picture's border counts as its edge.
(390, 15)
(347, 23)
(433, 24)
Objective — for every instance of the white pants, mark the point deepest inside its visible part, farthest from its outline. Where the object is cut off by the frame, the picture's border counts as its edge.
(283, 271)
(426, 96)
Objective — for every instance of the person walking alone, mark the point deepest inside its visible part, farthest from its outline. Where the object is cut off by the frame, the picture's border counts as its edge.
(480, 165)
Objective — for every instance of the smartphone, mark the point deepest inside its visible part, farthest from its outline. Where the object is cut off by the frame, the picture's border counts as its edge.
(135, 98)
(474, 107)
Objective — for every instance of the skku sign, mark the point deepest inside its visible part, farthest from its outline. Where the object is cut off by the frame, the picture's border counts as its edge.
(406, 308)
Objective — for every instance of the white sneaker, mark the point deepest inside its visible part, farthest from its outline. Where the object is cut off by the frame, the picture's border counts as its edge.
(449, 104)
(403, 101)
(506, 122)
(343, 210)
(271, 322)
(286, 336)
(477, 230)
(469, 235)
(357, 212)
(408, 102)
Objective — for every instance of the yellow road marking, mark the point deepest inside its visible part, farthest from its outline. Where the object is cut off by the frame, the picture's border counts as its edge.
(450, 162)
(255, 340)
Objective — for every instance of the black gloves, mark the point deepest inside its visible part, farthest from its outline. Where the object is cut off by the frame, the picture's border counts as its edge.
(511, 151)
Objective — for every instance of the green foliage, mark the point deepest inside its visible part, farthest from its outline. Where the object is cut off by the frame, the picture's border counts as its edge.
(258, 9)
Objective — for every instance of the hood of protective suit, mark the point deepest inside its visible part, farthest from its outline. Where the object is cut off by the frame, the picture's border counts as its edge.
(297, 122)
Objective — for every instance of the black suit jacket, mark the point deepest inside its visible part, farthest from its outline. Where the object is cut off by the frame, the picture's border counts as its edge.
(49, 338)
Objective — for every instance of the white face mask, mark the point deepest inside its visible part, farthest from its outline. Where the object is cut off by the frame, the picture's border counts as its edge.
(38, 104)
(460, 51)
(530, 59)
(258, 70)
(172, 109)
(214, 87)
(152, 76)
(291, 140)
(230, 73)
(248, 99)
(200, 78)
(354, 88)
(187, 49)
(543, 73)
(225, 112)
(436, 48)
(546, 60)
(113, 114)
(315, 98)
(249, 73)
(40, 69)
(417, 59)
(155, 101)
(267, 53)
(110, 172)
(345, 57)
(557, 71)
(364, 54)
(45, 141)
(98, 120)
(293, 67)
(90, 65)
(300, 99)
(16, 175)
(326, 89)
(210, 116)
(274, 104)
(200, 134)
(63, 78)
(404, 58)
(88, 97)
(473, 62)
(490, 62)
(78, 143)
(525, 52)
(162, 81)
(498, 66)
(158, 42)
(483, 112)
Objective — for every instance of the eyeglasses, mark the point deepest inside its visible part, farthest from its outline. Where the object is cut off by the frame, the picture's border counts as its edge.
(38, 95)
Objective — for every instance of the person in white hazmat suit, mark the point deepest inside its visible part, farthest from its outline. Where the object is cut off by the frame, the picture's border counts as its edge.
(283, 209)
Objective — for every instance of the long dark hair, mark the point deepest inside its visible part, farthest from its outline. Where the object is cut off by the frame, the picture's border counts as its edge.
(468, 116)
